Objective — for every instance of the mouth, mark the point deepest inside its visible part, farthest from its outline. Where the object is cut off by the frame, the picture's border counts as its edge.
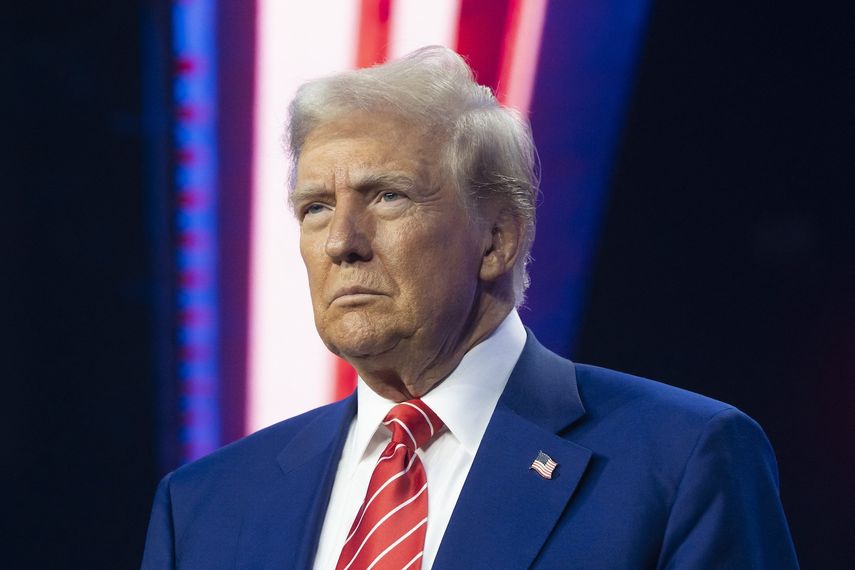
(354, 294)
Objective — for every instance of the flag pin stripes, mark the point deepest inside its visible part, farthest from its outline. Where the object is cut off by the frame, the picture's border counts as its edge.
(544, 465)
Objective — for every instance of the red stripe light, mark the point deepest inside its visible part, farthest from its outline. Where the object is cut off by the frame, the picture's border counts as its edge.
(373, 45)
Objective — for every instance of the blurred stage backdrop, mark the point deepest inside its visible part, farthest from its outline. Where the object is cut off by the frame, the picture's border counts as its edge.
(695, 227)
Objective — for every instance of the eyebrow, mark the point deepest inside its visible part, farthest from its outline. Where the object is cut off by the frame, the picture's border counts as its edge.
(311, 191)
(373, 180)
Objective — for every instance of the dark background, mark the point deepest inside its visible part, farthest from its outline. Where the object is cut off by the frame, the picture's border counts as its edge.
(725, 261)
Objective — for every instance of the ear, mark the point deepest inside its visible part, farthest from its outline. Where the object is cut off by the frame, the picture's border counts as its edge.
(502, 246)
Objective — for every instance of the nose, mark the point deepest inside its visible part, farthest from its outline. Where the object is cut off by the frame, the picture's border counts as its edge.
(348, 240)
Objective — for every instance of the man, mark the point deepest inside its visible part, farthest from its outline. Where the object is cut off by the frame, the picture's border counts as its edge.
(467, 444)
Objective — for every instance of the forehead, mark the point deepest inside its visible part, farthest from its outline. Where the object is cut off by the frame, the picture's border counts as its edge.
(363, 142)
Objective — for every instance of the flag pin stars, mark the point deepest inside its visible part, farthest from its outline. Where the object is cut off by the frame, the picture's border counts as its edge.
(544, 465)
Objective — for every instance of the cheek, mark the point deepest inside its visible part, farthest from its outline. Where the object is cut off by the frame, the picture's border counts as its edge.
(314, 261)
(435, 264)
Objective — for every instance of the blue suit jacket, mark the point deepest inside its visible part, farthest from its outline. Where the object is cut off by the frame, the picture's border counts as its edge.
(648, 476)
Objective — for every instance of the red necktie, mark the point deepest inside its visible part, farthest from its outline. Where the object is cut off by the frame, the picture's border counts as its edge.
(389, 529)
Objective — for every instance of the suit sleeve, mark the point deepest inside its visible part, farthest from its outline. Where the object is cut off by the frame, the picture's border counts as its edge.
(727, 511)
(160, 539)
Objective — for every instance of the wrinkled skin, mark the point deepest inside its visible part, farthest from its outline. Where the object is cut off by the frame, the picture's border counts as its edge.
(404, 279)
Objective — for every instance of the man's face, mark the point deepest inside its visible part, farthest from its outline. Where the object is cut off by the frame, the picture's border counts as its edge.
(392, 256)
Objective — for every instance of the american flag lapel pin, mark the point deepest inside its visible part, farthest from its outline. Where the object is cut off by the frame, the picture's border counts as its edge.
(544, 465)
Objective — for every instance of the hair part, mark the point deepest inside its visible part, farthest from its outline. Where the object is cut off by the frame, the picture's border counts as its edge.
(488, 152)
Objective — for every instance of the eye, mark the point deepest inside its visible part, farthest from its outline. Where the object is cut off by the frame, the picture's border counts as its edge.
(389, 196)
(313, 209)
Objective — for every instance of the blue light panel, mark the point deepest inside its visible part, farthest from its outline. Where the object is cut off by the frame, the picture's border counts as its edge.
(195, 141)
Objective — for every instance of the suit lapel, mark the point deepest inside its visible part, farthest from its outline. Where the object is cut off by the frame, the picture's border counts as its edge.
(286, 524)
(506, 511)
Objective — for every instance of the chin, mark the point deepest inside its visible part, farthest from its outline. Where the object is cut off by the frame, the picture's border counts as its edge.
(357, 348)
(356, 336)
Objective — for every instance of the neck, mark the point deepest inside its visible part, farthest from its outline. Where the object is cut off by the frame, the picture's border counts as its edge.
(408, 372)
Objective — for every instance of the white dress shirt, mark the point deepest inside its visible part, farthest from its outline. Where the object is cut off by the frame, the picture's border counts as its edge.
(464, 402)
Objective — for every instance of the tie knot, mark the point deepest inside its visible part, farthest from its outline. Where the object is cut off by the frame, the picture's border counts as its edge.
(412, 423)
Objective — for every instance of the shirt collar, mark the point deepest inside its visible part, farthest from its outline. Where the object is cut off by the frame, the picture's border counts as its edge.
(465, 399)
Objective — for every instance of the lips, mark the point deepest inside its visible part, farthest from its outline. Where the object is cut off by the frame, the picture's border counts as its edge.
(353, 290)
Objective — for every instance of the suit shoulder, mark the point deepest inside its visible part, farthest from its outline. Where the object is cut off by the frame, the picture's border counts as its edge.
(255, 451)
(628, 417)
(605, 391)
(649, 413)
